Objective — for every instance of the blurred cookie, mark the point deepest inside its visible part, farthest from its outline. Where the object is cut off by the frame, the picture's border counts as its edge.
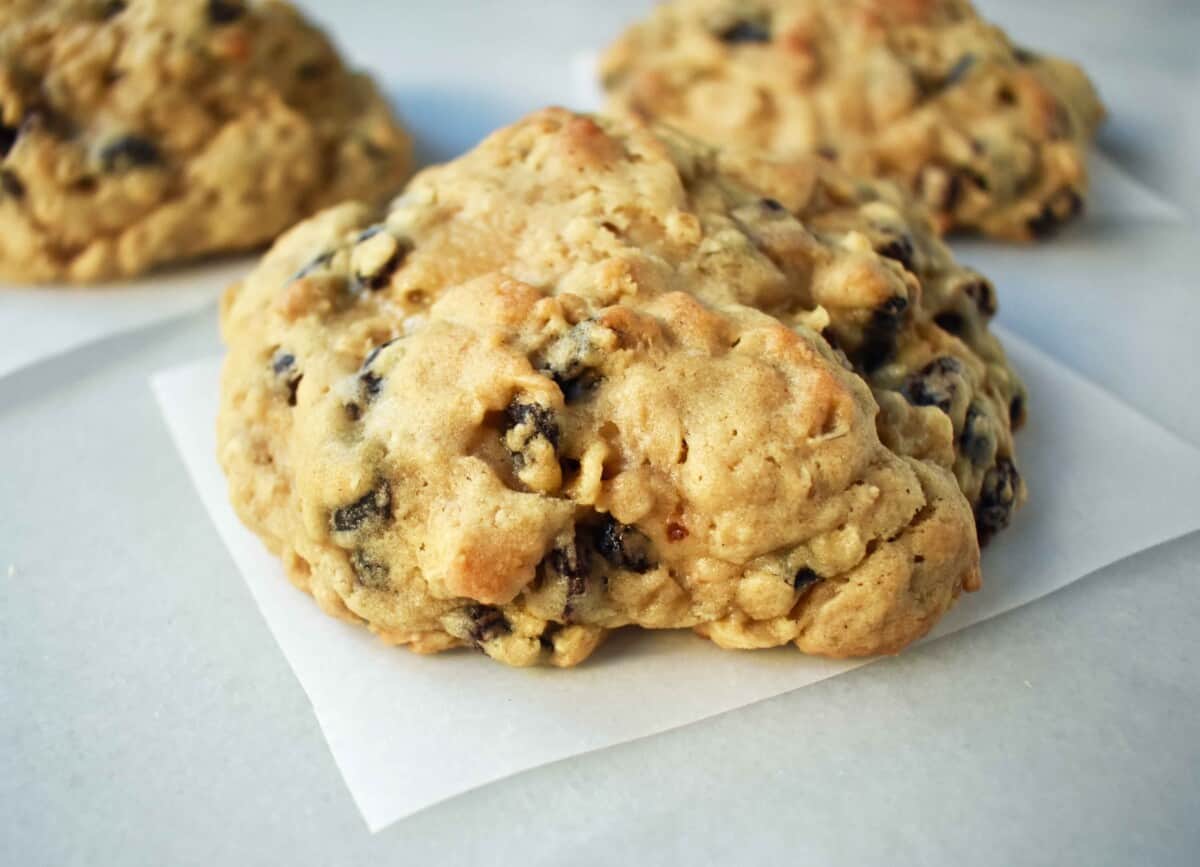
(991, 137)
(136, 133)
(588, 376)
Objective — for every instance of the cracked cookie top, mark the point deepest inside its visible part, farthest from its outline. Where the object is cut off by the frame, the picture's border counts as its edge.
(589, 375)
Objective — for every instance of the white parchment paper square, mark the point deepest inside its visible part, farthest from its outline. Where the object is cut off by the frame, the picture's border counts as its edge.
(408, 731)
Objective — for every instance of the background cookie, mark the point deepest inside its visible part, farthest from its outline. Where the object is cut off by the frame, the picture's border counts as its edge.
(992, 137)
(577, 380)
(144, 132)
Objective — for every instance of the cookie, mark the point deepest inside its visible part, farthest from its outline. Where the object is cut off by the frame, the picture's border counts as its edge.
(140, 133)
(907, 316)
(991, 137)
(587, 376)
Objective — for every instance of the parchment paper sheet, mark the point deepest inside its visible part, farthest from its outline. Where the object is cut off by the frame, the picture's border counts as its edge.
(408, 731)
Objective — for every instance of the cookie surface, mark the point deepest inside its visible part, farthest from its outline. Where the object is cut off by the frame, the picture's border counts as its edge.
(145, 132)
(588, 376)
(993, 138)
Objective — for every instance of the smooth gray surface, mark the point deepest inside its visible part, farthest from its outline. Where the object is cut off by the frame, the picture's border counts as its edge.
(147, 718)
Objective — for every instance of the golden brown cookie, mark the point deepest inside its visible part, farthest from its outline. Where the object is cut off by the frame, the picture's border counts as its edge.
(993, 138)
(136, 133)
(589, 376)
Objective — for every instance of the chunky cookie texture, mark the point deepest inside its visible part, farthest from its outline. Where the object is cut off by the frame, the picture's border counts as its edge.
(990, 136)
(595, 374)
(140, 133)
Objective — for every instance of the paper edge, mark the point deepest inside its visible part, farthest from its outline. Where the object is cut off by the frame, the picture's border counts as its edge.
(1007, 336)
(1162, 209)
(377, 821)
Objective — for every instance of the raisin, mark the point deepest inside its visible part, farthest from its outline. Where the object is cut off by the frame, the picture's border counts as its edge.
(112, 9)
(11, 184)
(983, 294)
(373, 506)
(773, 205)
(293, 385)
(574, 563)
(976, 440)
(380, 279)
(8, 138)
(382, 276)
(373, 150)
(959, 70)
(44, 120)
(936, 384)
(571, 361)
(997, 499)
(570, 562)
(285, 362)
(546, 639)
(374, 353)
(623, 546)
(539, 417)
(827, 152)
(311, 71)
(1062, 207)
(580, 387)
(368, 233)
(1016, 411)
(874, 355)
(1024, 56)
(370, 573)
(224, 11)
(576, 382)
(129, 152)
(805, 578)
(951, 322)
(888, 317)
(487, 622)
(742, 32)
(931, 84)
(315, 264)
(1060, 124)
(371, 384)
(970, 176)
(879, 338)
(900, 249)
(535, 421)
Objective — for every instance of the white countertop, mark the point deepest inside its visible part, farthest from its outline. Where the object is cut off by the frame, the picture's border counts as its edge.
(147, 717)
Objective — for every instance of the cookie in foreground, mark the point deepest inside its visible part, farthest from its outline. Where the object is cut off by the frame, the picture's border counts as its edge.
(587, 376)
(992, 137)
(138, 134)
